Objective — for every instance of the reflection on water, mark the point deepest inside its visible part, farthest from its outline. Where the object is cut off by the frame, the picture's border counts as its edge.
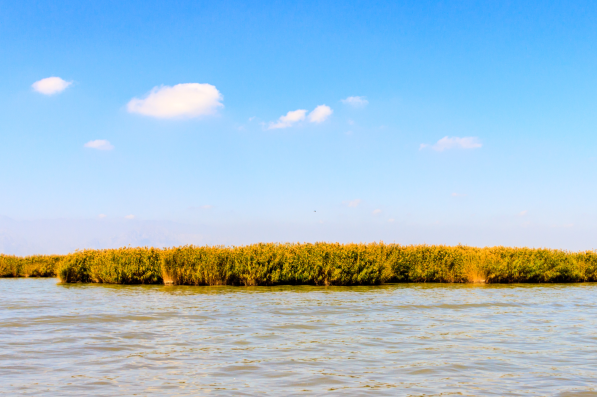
(408, 339)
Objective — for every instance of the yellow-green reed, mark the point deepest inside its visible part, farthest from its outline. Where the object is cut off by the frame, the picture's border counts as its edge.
(271, 264)
(314, 264)
(114, 266)
(29, 266)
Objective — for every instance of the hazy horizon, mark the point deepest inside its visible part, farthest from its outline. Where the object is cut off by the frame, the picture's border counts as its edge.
(62, 236)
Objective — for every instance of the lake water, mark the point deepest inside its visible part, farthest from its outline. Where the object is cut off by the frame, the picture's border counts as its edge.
(409, 339)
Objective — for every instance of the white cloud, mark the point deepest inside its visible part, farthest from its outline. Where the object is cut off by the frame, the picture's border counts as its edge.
(376, 212)
(458, 195)
(320, 114)
(182, 100)
(446, 143)
(207, 206)
(99, 144)
(50, 85)
(291, 118)
(317, 115)
(101, 216)
(391, 220)
(356, 101)
(522, 213)
(354, 203)
(129, 217)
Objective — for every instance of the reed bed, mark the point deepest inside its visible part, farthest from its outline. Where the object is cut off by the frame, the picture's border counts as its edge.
(311, 264)
(113, 266)
(29, 266)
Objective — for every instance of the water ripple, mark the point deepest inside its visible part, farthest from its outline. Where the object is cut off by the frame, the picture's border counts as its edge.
(386, 340)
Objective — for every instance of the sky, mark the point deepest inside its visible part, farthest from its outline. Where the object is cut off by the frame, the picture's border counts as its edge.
(187, 122)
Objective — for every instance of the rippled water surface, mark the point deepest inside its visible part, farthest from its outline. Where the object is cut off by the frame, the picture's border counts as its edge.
(408, 339)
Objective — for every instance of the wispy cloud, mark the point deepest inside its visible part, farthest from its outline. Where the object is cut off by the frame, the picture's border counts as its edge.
(447, 143)
(356, 101)
(376, 212)
(565, 226)
(180, 101)
(202, 207)
(354, 203)
(317, 115)
(290, 119)
(320, 114)
(458, 195)
(129, 217)
(50, 85)
(523, 213)
(101, 216)
(99, 144)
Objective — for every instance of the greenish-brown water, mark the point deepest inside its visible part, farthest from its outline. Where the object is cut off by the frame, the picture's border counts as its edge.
(392, 339)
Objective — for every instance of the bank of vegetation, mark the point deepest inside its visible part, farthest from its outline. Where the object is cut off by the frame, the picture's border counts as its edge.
(29, 266)
(313, 264)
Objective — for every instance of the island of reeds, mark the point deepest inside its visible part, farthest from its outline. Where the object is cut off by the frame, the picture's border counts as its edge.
(309, 264)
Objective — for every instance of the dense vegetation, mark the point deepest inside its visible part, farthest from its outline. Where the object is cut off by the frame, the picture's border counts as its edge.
(29, 266)
(316, 264)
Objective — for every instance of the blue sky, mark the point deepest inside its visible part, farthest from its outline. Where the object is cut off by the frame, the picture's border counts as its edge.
(474, 123)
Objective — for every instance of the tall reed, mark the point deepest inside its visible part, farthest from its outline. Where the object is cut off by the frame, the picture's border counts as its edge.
(29, 266)
(315, 264)
(114, 266)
